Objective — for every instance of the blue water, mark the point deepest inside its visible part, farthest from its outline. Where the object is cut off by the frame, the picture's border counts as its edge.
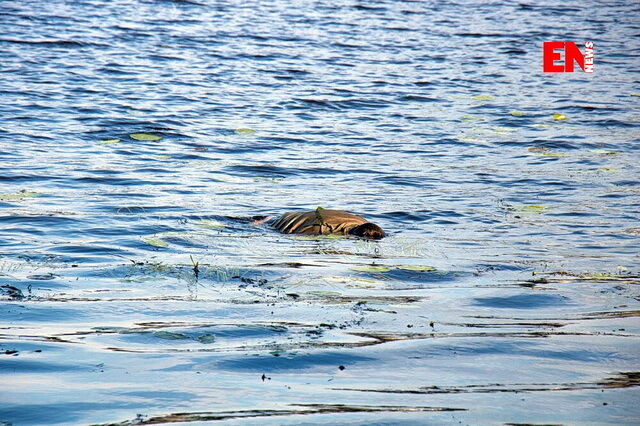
(133, 288)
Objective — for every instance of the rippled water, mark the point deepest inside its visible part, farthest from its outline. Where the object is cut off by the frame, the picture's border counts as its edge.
(135, 290)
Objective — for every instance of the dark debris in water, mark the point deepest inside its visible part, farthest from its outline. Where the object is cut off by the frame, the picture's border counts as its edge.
(42, 277)
(302, 409)
(542, 324)
(295, 265)
(11, 292)
(621, 380)
(569, 277)
(337, 298)
(378, 338)
(585, 316)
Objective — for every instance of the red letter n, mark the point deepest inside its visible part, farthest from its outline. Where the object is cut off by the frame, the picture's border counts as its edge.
(549, 56)
(571, 53)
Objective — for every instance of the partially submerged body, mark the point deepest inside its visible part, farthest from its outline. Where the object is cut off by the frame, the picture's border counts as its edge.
(324, 222)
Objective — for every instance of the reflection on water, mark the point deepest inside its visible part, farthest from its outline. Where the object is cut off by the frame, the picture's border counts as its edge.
(138, 139)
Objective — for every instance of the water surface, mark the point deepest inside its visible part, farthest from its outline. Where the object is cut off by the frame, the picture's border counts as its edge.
(134, 290)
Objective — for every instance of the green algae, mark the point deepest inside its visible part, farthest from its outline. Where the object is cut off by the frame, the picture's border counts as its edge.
(20, 195)
(145, 137)
(155, 242)
(377, 269)
(532, 209)
(209, 224)
(483, 98)
(169, 335)
(245, 131)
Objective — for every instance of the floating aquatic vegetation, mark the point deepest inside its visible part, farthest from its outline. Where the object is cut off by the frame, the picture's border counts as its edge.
(20, 195)
(110, 141)
(160, 157)
(554, 154)
(483, 98)
(602, 152)
(145, 137)
(244, 131)
(622, 276)
(137, 279)
(156, 242)
(608, 170)
(371, 269)
(537, 149)
(324, 293)
(363, 285)
(517, 113)
(209, 224)
(416, 268)
(473, 117)
(635, 94)
(183, 271)
(207, 338)
(294, 410)
(605, 276)
(621, 380)
(354, 282)
(534, 209)
(337, 298)
(502, 130)
(168, 335)
(376, 269)
(268, 327)
(559, 117)
(541, 151)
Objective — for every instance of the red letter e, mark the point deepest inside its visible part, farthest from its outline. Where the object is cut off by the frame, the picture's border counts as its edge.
(549, 56)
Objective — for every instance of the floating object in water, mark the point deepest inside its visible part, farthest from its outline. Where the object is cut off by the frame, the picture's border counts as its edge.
(145, 137)
(245, 131)
(325, 222)
(483, 98)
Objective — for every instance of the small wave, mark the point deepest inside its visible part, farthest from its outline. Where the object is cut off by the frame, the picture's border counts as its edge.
(480, 35)
(418, 98)
(117, 181)
(25, 178)
(338, 105)
(55, 43)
